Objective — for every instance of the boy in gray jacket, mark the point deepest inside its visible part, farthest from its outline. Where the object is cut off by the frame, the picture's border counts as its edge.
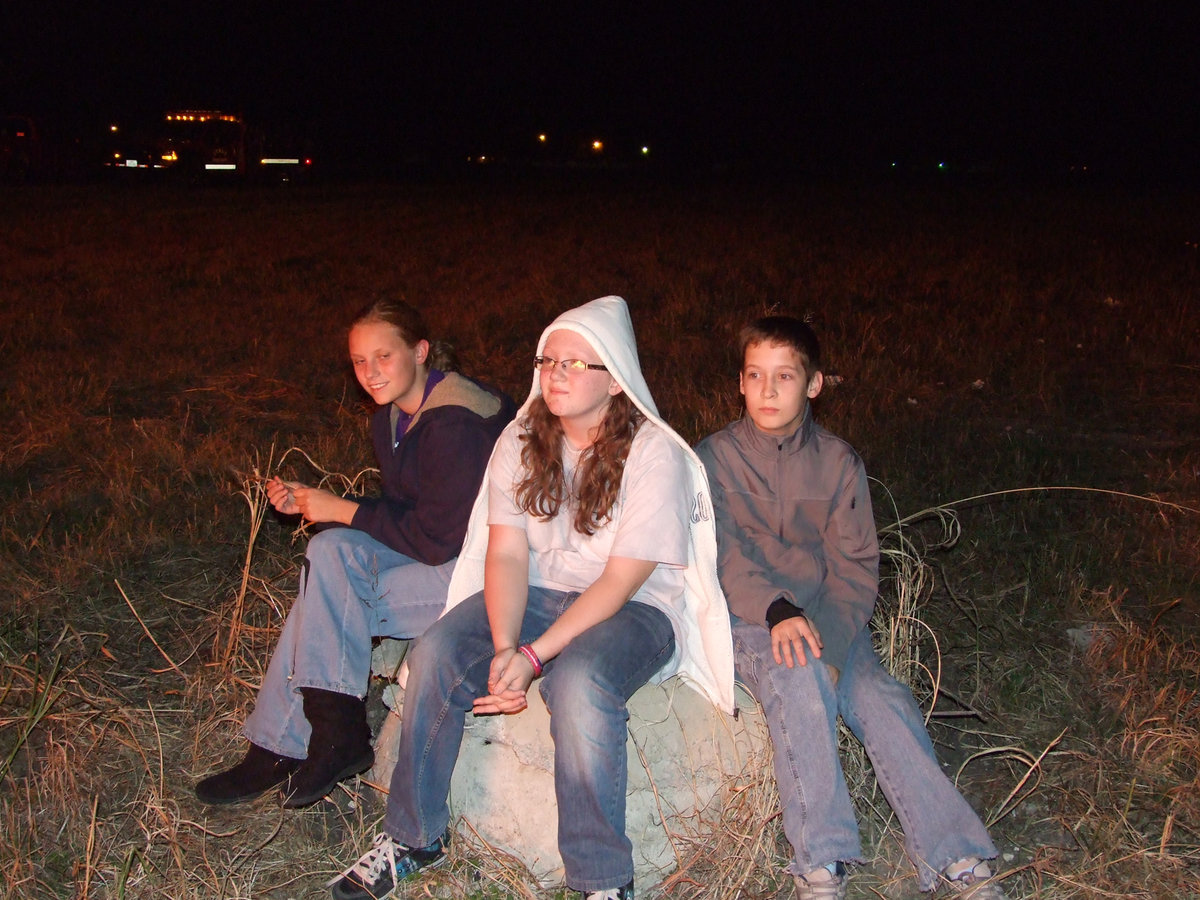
(799, 565)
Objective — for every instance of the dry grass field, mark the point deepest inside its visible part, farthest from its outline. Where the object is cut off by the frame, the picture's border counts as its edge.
(1016, 365)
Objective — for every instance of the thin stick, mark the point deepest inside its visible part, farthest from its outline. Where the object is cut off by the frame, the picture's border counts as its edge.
(256, 499)
(157, 646)
(1034, 490)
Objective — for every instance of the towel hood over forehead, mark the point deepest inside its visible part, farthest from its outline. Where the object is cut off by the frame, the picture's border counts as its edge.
(704, 647)
(606, 326)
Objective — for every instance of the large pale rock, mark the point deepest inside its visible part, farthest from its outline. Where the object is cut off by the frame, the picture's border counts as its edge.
(682, 752)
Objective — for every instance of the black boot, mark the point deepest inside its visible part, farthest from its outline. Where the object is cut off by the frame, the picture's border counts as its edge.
(259, 771)
(340, 746)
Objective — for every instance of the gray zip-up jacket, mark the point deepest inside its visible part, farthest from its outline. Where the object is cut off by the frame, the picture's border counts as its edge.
(794, 520)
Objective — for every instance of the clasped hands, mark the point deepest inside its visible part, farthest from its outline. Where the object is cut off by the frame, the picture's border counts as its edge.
(509, 679)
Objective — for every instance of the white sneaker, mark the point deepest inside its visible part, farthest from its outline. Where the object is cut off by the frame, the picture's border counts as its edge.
(621, 893)
(974, 881)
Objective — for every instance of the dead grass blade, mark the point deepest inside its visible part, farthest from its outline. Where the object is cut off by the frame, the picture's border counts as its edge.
(149, 634)
(1034, 763)
(46, 692)
(255, 495)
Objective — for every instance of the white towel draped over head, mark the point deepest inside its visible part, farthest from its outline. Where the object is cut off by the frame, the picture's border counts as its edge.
(705, 651)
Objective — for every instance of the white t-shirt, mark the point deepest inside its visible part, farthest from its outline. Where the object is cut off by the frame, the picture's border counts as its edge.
(649, 521)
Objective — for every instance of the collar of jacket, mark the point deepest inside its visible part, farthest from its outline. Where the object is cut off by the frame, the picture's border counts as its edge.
(773, 445)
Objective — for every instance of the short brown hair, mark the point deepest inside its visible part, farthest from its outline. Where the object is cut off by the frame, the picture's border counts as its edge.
(786, 330)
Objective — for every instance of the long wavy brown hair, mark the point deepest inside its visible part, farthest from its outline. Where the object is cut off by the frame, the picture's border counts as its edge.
(543, 490)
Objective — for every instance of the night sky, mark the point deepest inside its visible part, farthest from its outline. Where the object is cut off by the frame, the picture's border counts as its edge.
(1004, 85)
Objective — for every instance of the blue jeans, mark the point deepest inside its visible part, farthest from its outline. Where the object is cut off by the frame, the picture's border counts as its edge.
(352, 588)
(801, 707)
(585, 688)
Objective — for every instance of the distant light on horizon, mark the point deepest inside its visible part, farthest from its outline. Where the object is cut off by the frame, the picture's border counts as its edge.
(645, 151)
(202, 115)
(597, 146)
(542, 138)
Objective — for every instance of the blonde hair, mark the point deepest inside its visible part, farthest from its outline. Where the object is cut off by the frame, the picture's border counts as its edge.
(411, 324)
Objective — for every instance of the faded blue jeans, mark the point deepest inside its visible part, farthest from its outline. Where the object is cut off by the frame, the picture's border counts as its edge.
(801, 707)
(585, 688)
(352, 588)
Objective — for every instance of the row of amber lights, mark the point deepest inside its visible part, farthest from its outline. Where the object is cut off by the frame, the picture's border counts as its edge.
(201, 117)
(191, 117)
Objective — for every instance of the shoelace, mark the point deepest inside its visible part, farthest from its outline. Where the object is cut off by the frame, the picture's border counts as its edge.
(610, 894)
(371, 863)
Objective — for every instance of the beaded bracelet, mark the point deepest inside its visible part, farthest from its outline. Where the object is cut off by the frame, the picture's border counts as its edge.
(528, 652)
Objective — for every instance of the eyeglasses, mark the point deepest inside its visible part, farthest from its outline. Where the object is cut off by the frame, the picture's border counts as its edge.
(570, 366)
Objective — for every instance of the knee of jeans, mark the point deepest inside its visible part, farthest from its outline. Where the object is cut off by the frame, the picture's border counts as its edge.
(432, 653)
(327, 547)
(572, 686)
(869, 693)
(585, 731)
(800, 684)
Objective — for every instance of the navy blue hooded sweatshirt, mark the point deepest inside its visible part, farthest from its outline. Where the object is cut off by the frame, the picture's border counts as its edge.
(432, 473)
